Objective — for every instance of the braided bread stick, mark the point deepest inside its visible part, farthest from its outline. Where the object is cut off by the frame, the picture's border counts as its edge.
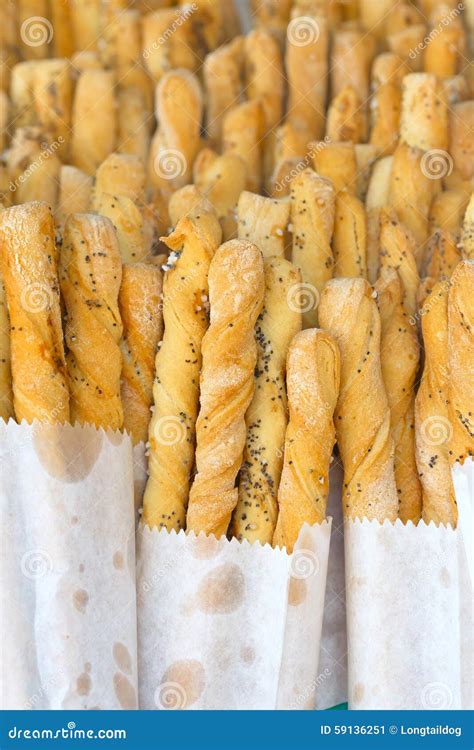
(236, 290)
(431, 413)
(90, 273)
(461, 361)
(28, 266)
(178, 364)
(348, 311)
(256, 512)
(140, 310)
(400, 353)
(313, 378)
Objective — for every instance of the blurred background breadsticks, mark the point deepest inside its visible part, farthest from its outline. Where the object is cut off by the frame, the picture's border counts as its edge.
(236, 291)
(178, 365)
(313, 376)
(28, 265)
(90, 274)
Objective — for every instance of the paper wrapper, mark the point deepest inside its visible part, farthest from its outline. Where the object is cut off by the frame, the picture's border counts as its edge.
(68, 603)
(229, 625)
(409, 611)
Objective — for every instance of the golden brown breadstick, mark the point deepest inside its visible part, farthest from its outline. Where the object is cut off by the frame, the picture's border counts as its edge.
(164, 51)
(90, 273)
(142, 318)
(406, 44)
(28, 268)
(5, 113)
(460, 362)
(75, 188)
(352, 54)
(312, 218)
(337, 162)
(373, 16)
(399, 352)
(178, 364)
(366, 156)
(413, 183)
(52, 94)
(176, 141)
(85, 17)
(242, 132)
(133, 133)
(346, 117)
(307, 72)
(467, 237)
(385, 105)
(63, 39)
(431, 413)
(8, 43)
(350, 237)
(221, 179)
(264, 222)
(119, 194)
(6, 392)
(223, 80)
(447, 211)
(187, 200)
(443, 255)
(424, 115)
(313, 378)
(94, 120)
(21, 94)
(348, 311)
(376, 200)
(446, 46)
(229, 356)
(33, 168)
(256, 513)
(460, 171)
(272, 15)
(397, 251)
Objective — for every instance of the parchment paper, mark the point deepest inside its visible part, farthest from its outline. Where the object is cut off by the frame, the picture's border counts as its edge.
(225, 625)
(67, 569)
(409, 611)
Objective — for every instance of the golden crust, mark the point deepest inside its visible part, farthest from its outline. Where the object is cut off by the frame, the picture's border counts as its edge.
(94, 120)
(350, 237)
(397, 251)
(263, 221)
(223, 79)
(221, 179)
(242, 132)
(424, 115)
(75, 188)
(467, 238)
(337, 162)
(6, 392)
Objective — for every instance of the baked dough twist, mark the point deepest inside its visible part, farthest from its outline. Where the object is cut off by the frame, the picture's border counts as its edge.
(90, 273)
(142, 318)
(178, 364)
(256, 513)
(348, 311)
(400, 354)
(236, 290)
(313, 378)
(28, 260)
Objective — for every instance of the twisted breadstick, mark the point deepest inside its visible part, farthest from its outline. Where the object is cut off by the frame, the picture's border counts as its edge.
(432, 424)
(90, 273)
(140, 310)
(28, 267)
(236, 290)
(400, 356)
(348, 311)
(397, 251)
(256, 512)
(313, 376)
(461, 361)
(178, 364)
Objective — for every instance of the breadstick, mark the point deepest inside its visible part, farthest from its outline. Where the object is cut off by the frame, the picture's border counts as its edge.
(348, 311)
(6, 393)
(229, 356)
(90, 273)
(21, 94)
(366, 156)
(346, 117)
(411, 190)
(264, 222)
(33, 168)
(385, 105)
(242, 132)
(188, 199)
(352, 54)
(447, 211)
(221, 179)
(256, 513)
(404, 42)
(94, 120)
(313, 378)
(443, 255)
(373, 16)
(424, 115)
(446, 47)
(460, 362)
(34, 29)
(307, 72)
(178, 364)
(461, 147)
(5, 114)
(223, 80)
(312, 218)
(400, 356)
(63, 39)
(290, 142)
(272, 15)
(455, 89)
(28, 268)
(52, 94)
(376, 200)
(133, 135)
(176, 142)
(397, 251)
(75, 188)
(119, 194)
(85, 16)
(8, 44)
(431, 413)
(140, 310)
(337, 162)
(467, 237)
(350, 237)
(162, 51)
